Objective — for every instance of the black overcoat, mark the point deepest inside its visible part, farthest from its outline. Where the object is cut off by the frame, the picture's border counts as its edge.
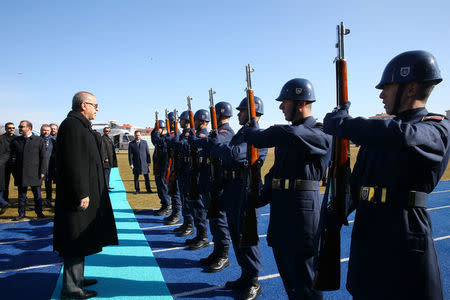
(108, 152)
(29, 157)
(79, 173)
(4, 157)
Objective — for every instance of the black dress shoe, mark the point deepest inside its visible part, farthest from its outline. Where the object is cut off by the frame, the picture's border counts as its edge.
(200, 243)
(218, 264)
(150, 192)
(187, 231)
(83, 294)
(252, 292)
(3, 209)
(89, 281)
(20, 218)
(136, 192)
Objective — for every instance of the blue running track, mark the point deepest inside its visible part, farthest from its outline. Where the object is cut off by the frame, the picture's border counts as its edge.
(151, 263)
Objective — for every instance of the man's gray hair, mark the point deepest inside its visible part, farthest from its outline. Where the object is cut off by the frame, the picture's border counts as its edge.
(79, 98)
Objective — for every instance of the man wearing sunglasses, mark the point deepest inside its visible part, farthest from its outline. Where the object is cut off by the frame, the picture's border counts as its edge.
(6, 139)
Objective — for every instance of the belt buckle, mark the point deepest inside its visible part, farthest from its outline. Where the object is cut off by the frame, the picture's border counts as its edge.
(412, 198)
(365, 193)
(233, 174)
(297, 184)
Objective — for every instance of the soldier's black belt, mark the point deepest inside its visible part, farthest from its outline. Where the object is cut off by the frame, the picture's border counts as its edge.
(234, 174)
(295, 184)
(381, 195)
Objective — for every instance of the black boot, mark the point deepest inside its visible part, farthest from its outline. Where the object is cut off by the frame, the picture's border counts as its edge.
(163, 211)
(238, 284)
(187, 230)
(220, 262)
(252, 291)
(199, 242)
(206, 261)
(173, 219)
(181, 228)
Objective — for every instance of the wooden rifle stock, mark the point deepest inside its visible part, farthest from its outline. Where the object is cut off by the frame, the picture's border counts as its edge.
(328, 275)
(194, 192)
(173, 188)
(156, 163)
(214, 205)
(169, 164)
(249, 235)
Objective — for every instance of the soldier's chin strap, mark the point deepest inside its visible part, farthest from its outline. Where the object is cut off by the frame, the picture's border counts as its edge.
(398, 99)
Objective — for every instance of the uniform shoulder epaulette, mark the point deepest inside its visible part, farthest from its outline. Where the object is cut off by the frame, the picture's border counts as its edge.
(223, 131)
(433, 117)
(202, 135)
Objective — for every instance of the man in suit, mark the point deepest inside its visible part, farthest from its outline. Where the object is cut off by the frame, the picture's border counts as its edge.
(84, 220)
(108, 155)
(7, 138)
(50, 151)
(4, 157)
(28, 153)
(53, 130)
(139, 159)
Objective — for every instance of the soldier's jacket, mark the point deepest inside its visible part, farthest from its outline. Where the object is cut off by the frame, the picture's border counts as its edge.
(302, 152)
(180, 144)
(204, 175)
(392, 251)
(160, 141)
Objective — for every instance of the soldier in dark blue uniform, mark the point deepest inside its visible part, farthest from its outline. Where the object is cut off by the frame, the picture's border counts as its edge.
(162, 157)
(218, 259)
(183, 176)
(400, 161)
(175, 199)
(199, 205)
(292, 187)
(234, 160)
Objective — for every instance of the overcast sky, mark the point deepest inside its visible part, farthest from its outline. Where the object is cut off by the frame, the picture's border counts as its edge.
(139, 57)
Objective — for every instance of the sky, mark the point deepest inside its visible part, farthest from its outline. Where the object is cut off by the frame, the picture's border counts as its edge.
(139, 57)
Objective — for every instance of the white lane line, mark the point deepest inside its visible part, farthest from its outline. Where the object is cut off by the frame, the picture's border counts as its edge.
(441, 238)
(29, 240)
(440, 207)
(30, 268)
(438, 192)
(160, 226)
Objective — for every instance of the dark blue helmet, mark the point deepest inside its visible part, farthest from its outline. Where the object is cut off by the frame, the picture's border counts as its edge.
(224, 109)
(411, 66)
(171, 116)
(202, 115)
(259, 106)
(297, 89)
(185, 115)
(162, 124)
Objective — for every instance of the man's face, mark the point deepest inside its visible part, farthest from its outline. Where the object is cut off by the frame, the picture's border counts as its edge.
(106, 131)
(90, 107)
(137, 136)
(287, 106)
(243, 116)
(24, 129)
(53, 130)
(45, 131)
(388, 95)
(10, 129)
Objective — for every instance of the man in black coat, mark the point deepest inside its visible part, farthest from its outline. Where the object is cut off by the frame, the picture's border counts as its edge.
(28, 153)
(139, 159)
(50, 152)
(4, 157)
(7, 138)
(84, 221)
(108, 155)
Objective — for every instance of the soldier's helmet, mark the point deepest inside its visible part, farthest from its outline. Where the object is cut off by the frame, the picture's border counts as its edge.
(202, 115)
(298, 89)
(259, 106)
(162, 124)
(171, 116)
(224, 109)
(411, 66)
(185, 115)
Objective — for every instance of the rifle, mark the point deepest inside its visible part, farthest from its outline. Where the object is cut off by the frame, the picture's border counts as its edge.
(250, 225)
(156, 166)
(172, 181)
(214, 205)
(194, 192)
(328, 275)
(169, 165)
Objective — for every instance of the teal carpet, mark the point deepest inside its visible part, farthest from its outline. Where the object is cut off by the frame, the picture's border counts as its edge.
(127, 271)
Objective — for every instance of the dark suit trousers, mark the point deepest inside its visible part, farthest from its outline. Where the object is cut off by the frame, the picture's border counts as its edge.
(8, 171)
(73, 274)
(147, 182)
(48, 188)
(107, 175)
(23, 199)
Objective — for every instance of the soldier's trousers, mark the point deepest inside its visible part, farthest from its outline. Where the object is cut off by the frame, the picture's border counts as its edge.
(198, 209)
(297, 273)
(162, 191)
(176, 201)
(219, 230)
